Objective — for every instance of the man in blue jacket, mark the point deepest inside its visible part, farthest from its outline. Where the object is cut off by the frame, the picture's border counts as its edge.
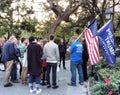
(75, 50)
(8, 56)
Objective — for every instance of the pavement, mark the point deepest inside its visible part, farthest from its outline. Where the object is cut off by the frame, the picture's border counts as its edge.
(62, 80)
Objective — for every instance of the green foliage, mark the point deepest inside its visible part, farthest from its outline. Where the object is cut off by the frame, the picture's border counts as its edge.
(97, 89)
(100, 88)
(26, 25)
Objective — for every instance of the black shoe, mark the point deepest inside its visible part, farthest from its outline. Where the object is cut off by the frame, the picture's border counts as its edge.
(64, 68)
(8, 85)
(72, 84)
(44, 84)
(55, 86)
(49, 86)
(15, 81)
(81, 83)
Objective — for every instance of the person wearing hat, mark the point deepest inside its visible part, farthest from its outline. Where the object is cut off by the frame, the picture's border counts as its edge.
(75, 50)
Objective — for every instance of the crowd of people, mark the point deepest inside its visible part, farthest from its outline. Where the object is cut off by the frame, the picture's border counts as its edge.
(37, 57)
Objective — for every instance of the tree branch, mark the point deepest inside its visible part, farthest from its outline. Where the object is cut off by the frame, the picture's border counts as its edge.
(55, 8)
(115, 4)
(75, 8)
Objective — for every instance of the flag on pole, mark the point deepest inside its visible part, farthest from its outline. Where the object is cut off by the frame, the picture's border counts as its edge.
(92, 42)
(106, 42)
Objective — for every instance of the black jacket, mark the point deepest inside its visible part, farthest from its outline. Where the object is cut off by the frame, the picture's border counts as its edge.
(85, 52)
(62, 48)
(34, 54)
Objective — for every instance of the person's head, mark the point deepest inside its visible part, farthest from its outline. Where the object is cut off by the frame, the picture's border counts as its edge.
(73, 38)
(13, 39)
(32, 39)
(44, 42)
(24, 40)
(40, 41)
(62, 40)
(51, 38)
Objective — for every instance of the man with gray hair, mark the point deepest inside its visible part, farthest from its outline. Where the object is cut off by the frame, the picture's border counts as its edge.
(8, 56)
(75, 51)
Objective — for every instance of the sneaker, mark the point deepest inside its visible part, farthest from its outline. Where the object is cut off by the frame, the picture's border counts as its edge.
(38, 91)
(55, 86)
(31, 90)
(8, 85)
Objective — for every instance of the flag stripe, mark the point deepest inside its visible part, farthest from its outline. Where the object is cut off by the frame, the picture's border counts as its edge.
(92, 46)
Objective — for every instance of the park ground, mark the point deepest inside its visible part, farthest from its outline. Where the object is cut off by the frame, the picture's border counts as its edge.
(62, 80)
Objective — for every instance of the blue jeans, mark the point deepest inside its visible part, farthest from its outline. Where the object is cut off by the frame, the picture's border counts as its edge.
(33, 78)
(73, 67)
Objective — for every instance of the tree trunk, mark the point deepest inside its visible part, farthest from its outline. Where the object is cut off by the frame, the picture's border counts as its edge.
(54, 25)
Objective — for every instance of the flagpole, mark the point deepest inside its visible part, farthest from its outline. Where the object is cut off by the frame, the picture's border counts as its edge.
(79, 36)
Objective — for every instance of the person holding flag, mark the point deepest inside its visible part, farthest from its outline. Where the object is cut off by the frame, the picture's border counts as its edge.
(75, 50)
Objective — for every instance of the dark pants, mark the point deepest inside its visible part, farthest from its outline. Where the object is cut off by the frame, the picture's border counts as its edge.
(62, 58)
(54, 74)
(44, 74)
(20, 71)
(84, 67)
(13, 73)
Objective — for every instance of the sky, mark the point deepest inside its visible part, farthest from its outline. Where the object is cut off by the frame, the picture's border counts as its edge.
(40, 14)
(38, 7)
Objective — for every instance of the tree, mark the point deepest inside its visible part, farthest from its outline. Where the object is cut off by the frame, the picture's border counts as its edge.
(14, 13)
(90, 8)
(6, 18)
(61, 13)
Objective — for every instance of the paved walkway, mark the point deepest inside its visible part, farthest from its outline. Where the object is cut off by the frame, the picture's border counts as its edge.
(63, 79)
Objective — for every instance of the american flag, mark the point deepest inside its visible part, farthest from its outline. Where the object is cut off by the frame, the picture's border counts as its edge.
(92, 42)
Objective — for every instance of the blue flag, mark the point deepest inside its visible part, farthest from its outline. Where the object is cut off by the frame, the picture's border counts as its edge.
(106, 42)
(93, 27)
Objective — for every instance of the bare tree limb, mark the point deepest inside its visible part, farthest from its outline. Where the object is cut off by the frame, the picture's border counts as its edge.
(118, 3)
(55, 8)
(76, 7)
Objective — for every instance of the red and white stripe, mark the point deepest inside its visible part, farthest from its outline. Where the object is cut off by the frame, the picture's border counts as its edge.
(92, 46)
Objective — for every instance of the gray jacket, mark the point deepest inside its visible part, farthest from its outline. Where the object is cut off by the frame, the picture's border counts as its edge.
(51, 52)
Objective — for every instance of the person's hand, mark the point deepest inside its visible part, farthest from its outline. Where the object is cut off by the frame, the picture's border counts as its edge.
(58, 63)
(68, 50)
